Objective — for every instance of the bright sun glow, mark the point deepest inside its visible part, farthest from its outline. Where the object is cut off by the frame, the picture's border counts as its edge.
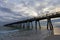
(57, 9)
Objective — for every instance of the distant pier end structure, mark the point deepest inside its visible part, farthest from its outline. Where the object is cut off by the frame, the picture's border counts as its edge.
(28, 23)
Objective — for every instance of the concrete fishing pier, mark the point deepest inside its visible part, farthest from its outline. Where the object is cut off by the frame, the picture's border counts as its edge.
(28, 22)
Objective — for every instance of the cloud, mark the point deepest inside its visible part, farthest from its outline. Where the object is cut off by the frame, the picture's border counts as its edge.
(52, 6)
(5, 10)
(15, 10)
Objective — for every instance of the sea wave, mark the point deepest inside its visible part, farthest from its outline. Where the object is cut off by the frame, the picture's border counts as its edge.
(5, 31)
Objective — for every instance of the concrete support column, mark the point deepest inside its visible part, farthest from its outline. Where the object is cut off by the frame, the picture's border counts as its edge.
(15, 25)
(23, 25)
(20, 26)
(49, 24)
(36, 25)
(39, 24)
(28, 25)
(31, 25)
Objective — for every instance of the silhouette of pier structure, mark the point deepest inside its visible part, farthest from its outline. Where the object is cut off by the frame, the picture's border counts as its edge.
(28, 23)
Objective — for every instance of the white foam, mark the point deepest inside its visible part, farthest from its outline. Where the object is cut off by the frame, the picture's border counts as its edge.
(5, 31)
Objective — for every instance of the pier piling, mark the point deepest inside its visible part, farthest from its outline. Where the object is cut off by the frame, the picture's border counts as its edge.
(49, 24)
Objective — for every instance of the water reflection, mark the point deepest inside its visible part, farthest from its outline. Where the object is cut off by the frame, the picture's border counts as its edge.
(56, 31)
(54, 34)
(39, 34)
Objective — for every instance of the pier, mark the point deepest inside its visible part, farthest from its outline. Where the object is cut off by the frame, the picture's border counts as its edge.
(27, 24)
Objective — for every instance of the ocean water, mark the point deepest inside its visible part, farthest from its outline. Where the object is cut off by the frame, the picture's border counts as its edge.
(17, 34)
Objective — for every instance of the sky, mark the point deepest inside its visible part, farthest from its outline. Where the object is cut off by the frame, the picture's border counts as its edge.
(16, 10)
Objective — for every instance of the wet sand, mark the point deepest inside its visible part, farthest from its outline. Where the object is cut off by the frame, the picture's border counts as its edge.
(29, 34)
(25, 35)
(55, 36)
